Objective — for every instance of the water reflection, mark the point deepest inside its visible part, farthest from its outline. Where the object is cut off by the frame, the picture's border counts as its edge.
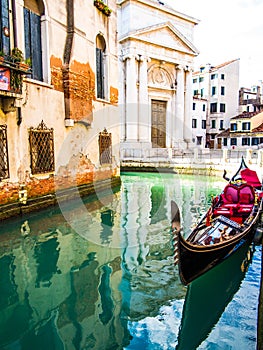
(208, 296)
(63, 290)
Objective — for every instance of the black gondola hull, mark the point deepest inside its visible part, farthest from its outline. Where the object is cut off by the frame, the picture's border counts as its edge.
(195, 260)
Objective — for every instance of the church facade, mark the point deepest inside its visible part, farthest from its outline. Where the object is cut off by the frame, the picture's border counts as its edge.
(156, 54)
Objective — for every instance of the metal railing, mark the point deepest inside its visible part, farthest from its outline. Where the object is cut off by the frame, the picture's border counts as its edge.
(4, 166)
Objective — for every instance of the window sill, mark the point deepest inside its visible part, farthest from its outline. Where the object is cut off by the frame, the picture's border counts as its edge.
(38, 82)
(101, 100)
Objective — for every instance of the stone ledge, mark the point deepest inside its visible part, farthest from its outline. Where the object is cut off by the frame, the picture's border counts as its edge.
(41, 202)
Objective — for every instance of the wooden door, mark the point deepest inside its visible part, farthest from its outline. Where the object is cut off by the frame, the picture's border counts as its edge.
(158, 124)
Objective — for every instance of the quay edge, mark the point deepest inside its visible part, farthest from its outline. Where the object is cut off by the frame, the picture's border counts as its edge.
(9, 210)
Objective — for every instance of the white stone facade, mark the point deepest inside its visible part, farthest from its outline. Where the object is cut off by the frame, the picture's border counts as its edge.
(220, 86)
(156, 56)
(199, 112)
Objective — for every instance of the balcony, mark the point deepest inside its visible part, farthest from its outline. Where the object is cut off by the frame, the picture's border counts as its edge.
(11, 76)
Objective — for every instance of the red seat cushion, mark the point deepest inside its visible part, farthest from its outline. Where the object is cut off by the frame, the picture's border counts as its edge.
(244, 198)
(231, 194)
(245, 208)
(246, 194)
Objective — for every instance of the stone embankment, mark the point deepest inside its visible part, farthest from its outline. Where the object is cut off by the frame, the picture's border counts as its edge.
(18, 200)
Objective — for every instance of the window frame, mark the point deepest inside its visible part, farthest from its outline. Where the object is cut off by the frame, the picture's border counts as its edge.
(41, 146)
(246, 126)
(213, 124)
(233, 141)
(213, 107)
(33, 43)
(222, 107)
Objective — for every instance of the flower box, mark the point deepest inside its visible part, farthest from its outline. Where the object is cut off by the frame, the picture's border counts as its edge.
(101, 6)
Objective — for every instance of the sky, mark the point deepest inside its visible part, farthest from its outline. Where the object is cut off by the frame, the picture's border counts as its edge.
(228, 29)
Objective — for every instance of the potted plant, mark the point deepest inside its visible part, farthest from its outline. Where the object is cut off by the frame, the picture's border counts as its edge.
(2, 56)
(18, 58)
(101, 6)
(17, 55)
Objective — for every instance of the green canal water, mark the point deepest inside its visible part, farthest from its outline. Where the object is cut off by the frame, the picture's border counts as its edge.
(98, 273)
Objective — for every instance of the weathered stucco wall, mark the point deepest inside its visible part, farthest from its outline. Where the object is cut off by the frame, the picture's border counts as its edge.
(65, 101)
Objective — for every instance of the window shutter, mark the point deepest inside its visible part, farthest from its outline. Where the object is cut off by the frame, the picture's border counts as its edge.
(33, 42)
(36, 46)
(4, 6)
(100, 73)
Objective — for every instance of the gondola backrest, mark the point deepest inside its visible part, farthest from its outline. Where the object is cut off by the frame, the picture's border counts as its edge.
(243, 194)
(246, 194)
(230, 194)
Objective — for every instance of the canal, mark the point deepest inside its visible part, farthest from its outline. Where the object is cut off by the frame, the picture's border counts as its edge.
(98, 273)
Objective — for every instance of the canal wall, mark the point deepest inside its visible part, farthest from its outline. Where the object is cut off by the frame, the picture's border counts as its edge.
(194, 162)
(35, 194)
(22, 206)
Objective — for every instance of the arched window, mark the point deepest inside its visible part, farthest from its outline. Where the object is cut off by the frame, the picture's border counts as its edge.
(101, 66)
(33, 10)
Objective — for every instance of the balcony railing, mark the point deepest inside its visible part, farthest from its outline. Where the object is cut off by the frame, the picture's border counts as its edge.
(11, 75)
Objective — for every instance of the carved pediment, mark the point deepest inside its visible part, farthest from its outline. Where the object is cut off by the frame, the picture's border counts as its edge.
(165, 35)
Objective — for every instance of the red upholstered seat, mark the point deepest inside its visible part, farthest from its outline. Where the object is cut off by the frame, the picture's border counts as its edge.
(237, 200)
(245, 208)
(246, 194)
(223, 210)
(230, 194)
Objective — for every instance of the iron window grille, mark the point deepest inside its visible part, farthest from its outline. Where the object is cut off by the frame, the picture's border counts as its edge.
(41, 141)
(105, 147)
(4, 165)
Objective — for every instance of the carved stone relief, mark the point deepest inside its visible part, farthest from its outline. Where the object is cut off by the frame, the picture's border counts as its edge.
(159, 77)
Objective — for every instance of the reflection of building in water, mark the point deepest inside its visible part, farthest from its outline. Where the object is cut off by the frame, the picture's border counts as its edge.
(146, 206)
(80, 293)
(135, 213)
(60, 289)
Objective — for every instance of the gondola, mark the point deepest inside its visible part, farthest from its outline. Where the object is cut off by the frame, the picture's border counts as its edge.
(230, 221)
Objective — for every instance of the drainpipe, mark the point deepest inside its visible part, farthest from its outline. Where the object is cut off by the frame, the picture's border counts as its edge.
(67, 55)
(14, 22)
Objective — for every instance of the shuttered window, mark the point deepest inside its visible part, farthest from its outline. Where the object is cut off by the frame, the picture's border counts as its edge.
(4, 20)
(33, 42)
(100, 73)
(100, 66)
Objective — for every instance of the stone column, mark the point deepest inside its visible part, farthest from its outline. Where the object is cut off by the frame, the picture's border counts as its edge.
(122, 98)
(45, 22)
(188, 106)
(144, 118)
(179, 107)
(131, 99)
